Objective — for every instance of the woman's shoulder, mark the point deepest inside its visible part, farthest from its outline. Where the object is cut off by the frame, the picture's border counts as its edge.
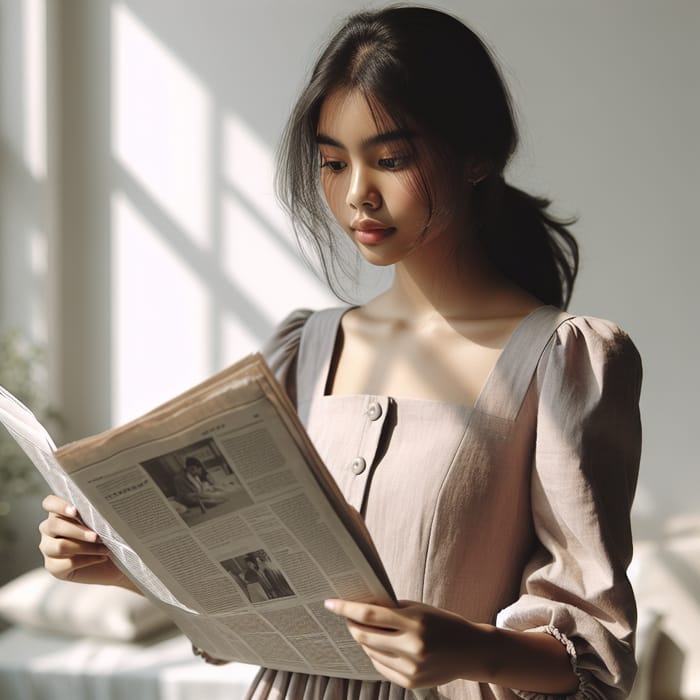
(283, 344)
(597, 336)
(282, 347)
(590, 350)
(286, 336)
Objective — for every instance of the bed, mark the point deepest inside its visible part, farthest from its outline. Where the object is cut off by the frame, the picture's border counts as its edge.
(118, 647)
(37, 665)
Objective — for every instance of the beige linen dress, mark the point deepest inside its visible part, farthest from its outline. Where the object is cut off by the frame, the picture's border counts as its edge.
(513, 512)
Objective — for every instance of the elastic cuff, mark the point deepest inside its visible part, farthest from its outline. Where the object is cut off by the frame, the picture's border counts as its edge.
(585, 691)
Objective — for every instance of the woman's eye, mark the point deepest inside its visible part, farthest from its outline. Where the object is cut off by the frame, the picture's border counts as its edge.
(395, 162)
(333, 165)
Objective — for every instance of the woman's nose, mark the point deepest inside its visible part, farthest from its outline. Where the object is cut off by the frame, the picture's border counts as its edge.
(362, 191)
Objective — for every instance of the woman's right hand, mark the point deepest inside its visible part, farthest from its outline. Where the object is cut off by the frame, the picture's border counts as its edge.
(72, 551)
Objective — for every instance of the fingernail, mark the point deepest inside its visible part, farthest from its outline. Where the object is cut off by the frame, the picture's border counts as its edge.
(91, 536)
(330, 605)
(71, 510)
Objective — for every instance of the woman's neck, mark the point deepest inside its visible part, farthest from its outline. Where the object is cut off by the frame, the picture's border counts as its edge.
(436, 283)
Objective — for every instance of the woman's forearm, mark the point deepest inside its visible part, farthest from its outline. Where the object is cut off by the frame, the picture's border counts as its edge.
(531, 661)
(417, 645)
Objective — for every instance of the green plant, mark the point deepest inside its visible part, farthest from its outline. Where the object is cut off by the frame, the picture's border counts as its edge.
(22, 372)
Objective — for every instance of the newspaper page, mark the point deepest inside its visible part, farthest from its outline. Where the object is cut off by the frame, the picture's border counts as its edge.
(218, 508)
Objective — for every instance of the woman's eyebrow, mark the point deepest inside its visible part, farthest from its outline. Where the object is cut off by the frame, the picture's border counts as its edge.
(389, 136)
(386, 137)
(323, 140)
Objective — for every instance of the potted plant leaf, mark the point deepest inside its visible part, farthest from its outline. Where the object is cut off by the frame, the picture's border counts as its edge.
(23, 373)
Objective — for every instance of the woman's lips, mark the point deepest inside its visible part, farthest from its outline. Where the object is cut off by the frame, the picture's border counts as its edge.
(372, 235)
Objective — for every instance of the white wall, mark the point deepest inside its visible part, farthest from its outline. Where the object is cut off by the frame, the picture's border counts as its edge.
(25, 276)
(171, 258)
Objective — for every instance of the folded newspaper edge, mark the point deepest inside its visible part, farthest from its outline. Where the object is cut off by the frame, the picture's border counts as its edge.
(219, 509)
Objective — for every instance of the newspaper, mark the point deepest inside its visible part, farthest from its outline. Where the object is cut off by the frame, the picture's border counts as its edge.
(218, 508)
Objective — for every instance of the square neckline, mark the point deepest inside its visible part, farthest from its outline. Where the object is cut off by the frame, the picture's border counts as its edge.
(519, 330)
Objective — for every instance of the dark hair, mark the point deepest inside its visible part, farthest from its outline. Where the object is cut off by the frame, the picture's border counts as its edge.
(191, 462)
(425, 70)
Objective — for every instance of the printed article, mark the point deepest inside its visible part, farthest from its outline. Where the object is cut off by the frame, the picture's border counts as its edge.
(218, 508)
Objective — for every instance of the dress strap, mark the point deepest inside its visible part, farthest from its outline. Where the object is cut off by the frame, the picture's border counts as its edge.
(507, 385)
(318, 341)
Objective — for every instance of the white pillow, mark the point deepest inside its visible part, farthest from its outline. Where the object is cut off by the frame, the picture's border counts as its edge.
(37, 599)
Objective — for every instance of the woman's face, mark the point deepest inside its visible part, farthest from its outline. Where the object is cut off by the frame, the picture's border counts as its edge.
(371, 181)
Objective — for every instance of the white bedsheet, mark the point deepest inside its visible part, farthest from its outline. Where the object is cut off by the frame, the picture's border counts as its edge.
(39, 666)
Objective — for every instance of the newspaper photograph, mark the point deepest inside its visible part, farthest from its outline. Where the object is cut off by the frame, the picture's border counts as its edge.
(218, 509)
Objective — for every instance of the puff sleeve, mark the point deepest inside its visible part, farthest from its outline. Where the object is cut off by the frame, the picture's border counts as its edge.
(584, 475)
(281, 349)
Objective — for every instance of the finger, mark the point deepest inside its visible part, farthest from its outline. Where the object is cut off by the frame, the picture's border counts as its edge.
(370, 639)
(403, 673)
(390, 673)
(387, 641)
(60, 526)
(366, 613)
(213, 660)
(65, 568)
(209, 659)
(64, 548)
(407, 668)
(375, 629)
(59, 506)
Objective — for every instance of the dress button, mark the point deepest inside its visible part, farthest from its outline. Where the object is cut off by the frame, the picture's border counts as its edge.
(358, 465)
(374, 410)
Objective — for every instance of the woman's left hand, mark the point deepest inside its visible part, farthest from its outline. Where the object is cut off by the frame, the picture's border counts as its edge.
(413, 645)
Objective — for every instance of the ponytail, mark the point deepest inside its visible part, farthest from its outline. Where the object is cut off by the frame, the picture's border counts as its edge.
(524, 242)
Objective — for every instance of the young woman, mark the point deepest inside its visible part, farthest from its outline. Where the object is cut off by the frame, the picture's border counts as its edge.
(490, 440)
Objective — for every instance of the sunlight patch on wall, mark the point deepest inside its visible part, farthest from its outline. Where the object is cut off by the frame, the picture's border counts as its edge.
(258, 247)
(38, 264)
(248, 165)
(161, 124)
(237, 341)
(159, 318)
(252, 255)
(34, 86)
